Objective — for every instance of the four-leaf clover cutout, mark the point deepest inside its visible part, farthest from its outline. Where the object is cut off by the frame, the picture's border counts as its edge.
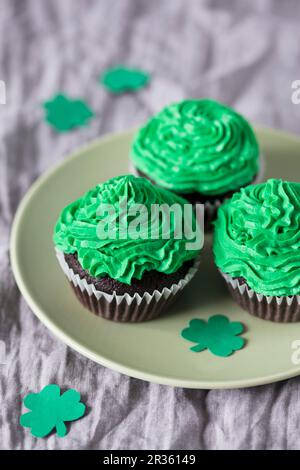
(218, 335)
(121, 79)
(50, 409)
(64, 113)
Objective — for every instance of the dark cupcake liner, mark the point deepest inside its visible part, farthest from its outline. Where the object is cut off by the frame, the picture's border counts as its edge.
(124, 308)
(122, 311)
(280, 309)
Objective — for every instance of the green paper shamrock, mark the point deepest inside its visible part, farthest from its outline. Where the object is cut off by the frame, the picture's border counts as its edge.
(218, 335)
(64, 113)
(121, 79)
(49, 410)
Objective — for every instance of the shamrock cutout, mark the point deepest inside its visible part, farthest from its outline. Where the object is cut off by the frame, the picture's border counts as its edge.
(49, 410)
(64, 113)
(218, 335)
(121, 79)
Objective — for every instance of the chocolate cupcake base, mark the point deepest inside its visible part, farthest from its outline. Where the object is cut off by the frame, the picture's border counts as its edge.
(126, 307)
(151, 281)
(281, 309)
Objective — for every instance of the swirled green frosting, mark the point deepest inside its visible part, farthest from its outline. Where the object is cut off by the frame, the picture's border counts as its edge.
(112, 235)
(197, 146)
(257, 236)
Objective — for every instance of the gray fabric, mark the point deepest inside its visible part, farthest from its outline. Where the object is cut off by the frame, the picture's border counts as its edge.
(244, 53)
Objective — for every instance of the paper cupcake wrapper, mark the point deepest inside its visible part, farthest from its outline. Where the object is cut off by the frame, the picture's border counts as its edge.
(211, 208)
(124, 308)
(268, 307)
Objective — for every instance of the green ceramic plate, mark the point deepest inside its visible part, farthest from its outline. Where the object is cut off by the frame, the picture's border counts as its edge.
(151, 351)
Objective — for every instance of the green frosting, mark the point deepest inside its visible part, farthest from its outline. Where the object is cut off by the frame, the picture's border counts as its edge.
(122, 255)
(197, 146)
(257, 236)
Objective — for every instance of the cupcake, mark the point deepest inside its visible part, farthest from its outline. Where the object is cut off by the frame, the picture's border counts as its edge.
(199, 149)
(256, 248)
(124, 255)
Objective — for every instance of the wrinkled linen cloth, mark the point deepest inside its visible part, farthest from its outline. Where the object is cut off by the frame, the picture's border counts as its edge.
(243, 53)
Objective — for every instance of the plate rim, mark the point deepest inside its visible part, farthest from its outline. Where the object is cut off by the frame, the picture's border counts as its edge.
(84, 350)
